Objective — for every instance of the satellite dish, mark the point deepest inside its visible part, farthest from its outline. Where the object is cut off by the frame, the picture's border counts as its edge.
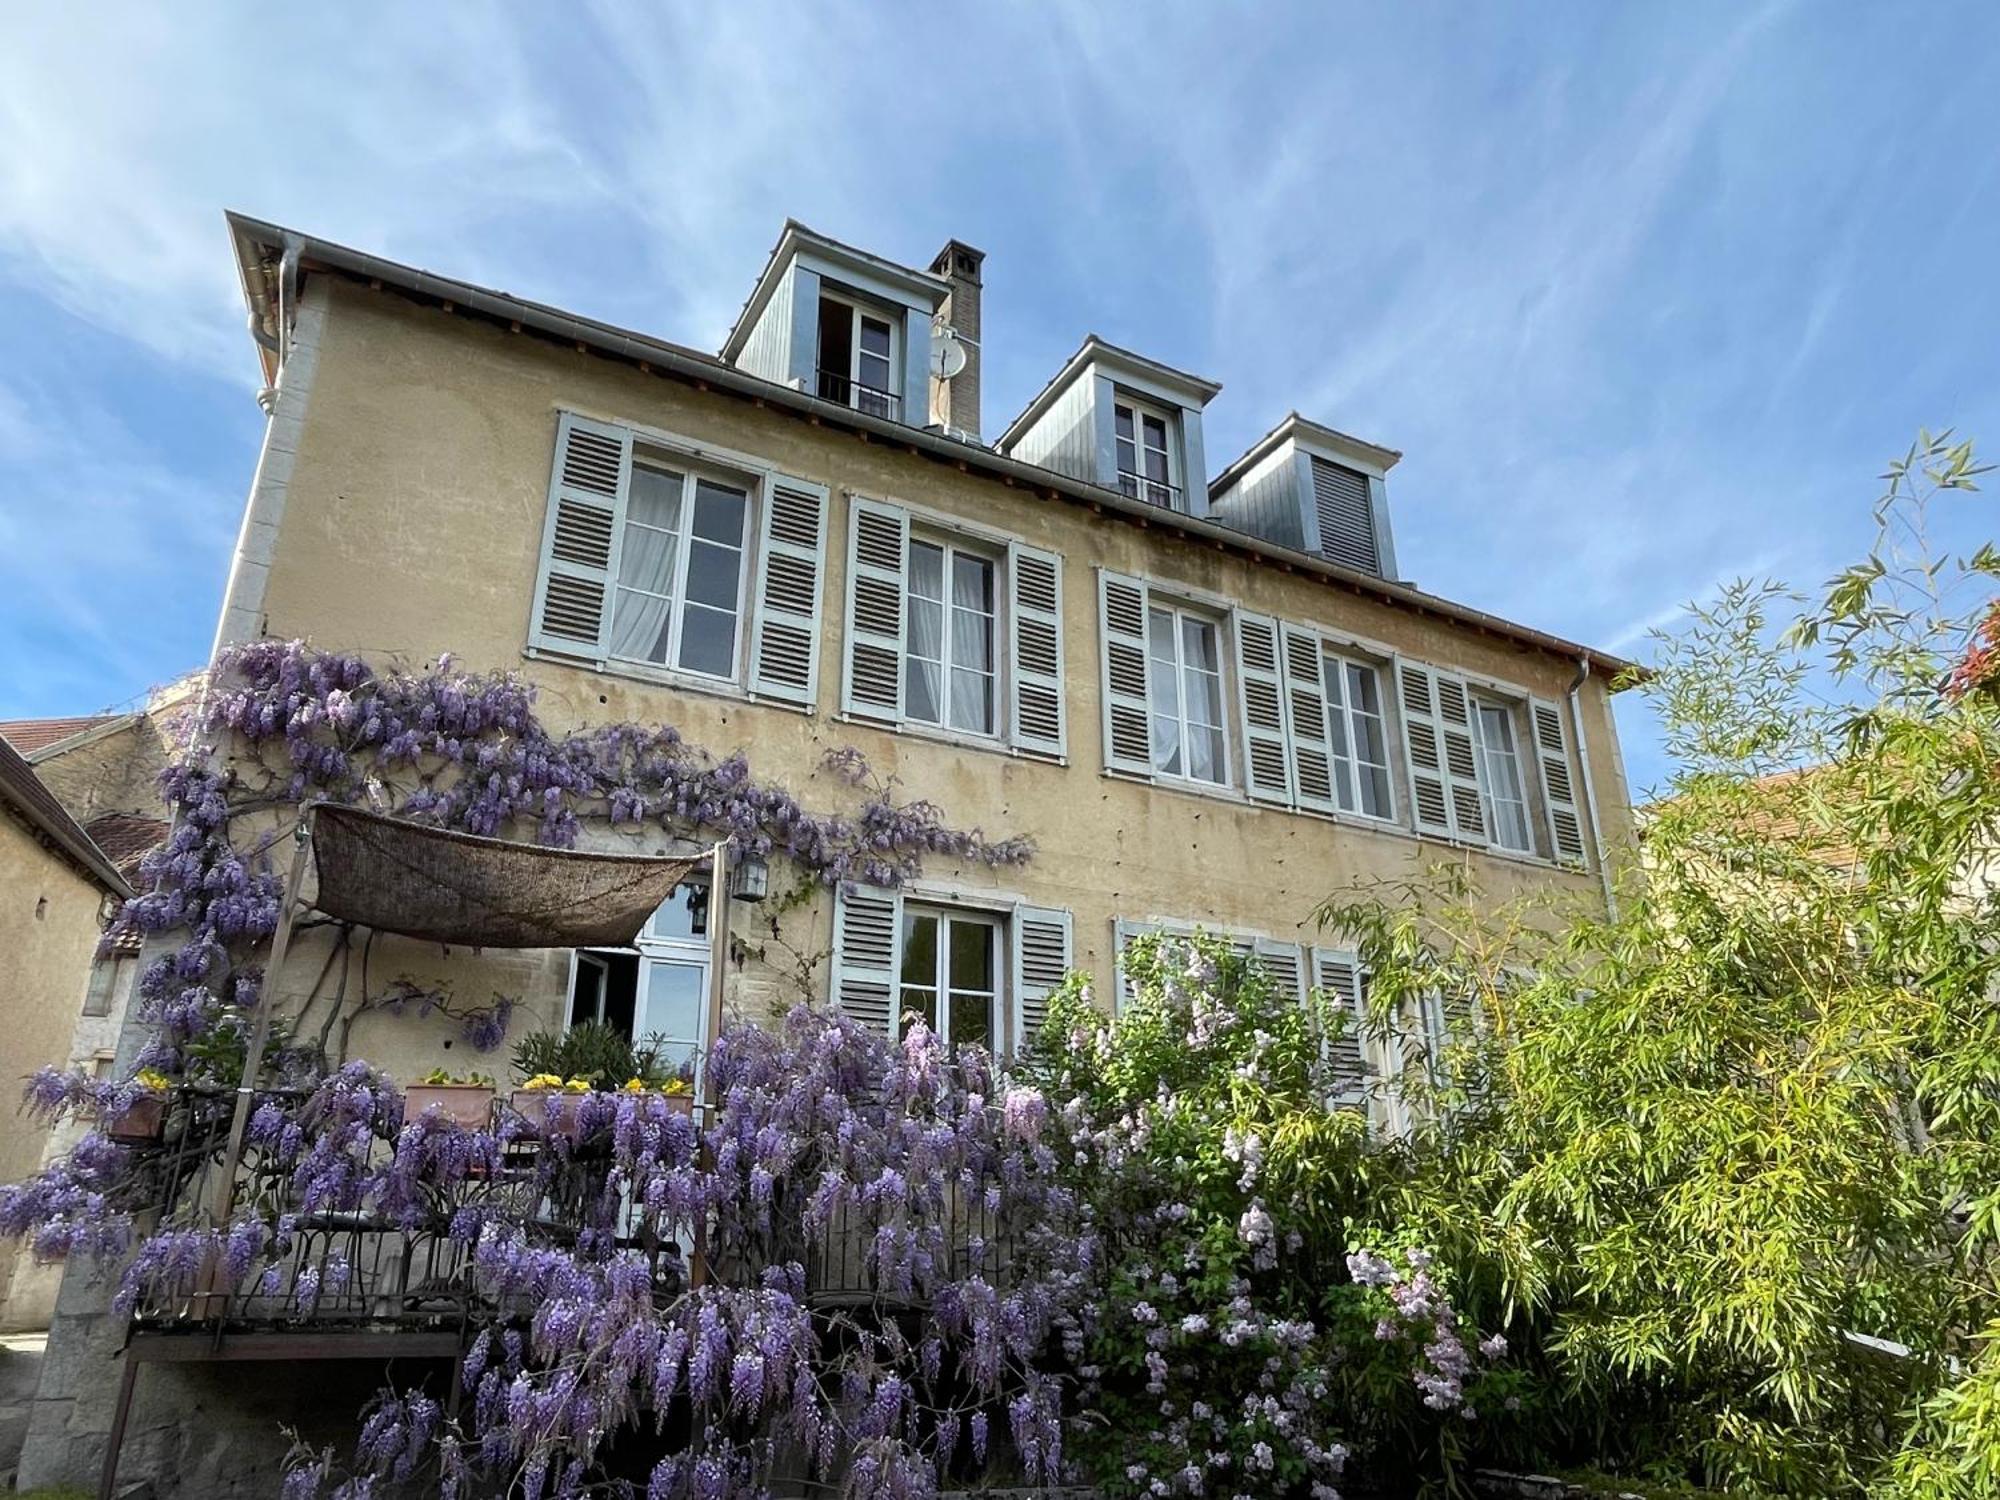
(947, 353)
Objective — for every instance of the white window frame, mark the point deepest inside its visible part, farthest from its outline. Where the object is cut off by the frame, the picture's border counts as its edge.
(647, 949)
(1139, 410)
(954, 545)
(999, 1013)
(1180, 611)
(1339, 660)
(1489, 757)
(692, 472)
(858, 311)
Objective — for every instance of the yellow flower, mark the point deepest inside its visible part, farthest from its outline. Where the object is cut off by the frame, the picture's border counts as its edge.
(635, 1085)
(677, 1086)
(151, 1081)
(544, 1081)
(577, 1086)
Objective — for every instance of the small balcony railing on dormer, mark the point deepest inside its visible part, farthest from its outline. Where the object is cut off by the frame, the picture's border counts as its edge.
(1152, 491)
(834, 385)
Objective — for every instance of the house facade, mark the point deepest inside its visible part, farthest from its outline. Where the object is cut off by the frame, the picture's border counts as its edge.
(57, 889)
(1206, 703)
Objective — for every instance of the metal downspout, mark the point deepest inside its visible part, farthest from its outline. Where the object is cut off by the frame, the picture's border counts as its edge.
(1589, 786)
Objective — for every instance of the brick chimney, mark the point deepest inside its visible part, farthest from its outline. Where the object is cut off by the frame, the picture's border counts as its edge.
(955, 402)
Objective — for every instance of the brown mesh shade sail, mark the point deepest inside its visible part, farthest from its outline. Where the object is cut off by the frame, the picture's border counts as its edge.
(432, 883)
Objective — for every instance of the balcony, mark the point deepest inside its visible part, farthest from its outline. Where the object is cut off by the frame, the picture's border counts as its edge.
(844, 390)
(1152, 491)
(360, 1271)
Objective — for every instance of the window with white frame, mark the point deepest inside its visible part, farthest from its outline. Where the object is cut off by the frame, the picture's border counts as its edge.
(857, 357)
(657, 989)
(1500, 779)
(950, 976)
(1185, 685)
(681, 562)
(950, 673)
(1146, 467)
(1358, 736)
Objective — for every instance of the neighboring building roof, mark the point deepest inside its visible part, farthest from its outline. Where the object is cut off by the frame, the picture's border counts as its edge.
(1199, 388)
(1315, 434)
(23, 793)
(31, 736)
(126, 839)
(260, 245)
(795, 237)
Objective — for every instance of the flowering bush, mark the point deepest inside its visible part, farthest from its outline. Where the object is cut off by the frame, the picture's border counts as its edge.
(1238, 1343)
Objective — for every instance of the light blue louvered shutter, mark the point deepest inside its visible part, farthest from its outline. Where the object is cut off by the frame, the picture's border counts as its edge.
(1345, 517)
(1037, 719)
(1306, 720)
(1128, 732)
(1423, 748)
(1280, 962)
(588, 483)
(867, 954)
(784, 656)
(1337, 972)
(1267, 773)
(878, 549)
(1041, 962)
(1559, 797)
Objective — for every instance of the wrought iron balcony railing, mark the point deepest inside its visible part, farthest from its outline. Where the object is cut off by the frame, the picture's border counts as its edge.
(837, 385)
(1152, 491)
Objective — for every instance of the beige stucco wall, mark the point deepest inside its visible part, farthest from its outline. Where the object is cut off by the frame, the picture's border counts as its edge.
(412, 524)
(48, 929)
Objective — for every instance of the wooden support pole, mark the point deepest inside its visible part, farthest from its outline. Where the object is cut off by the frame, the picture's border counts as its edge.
(260, 1027)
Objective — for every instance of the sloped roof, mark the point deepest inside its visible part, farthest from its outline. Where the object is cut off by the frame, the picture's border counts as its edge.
(30, 735)
(22, 792)
(126, 838)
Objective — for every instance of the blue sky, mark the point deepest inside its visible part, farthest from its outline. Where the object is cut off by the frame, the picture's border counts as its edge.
(1646, 296)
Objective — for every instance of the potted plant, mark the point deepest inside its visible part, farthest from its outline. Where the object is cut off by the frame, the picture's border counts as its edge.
(466, 1100)
(531, 1102)
(591, 1057)
(143, 1116)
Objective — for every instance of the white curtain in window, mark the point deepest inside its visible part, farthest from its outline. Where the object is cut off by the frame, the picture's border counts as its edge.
(925, 690)
(638, 627)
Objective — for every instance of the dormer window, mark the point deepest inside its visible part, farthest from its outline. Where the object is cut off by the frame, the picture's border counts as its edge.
(1311, 487)
(1120, 420)
(857, 357)
(1145, 455)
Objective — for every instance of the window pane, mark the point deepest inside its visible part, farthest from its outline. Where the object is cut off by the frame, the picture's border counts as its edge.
(1166, 745)
(971, 701)
(1204, 752)
(972, 582)
(926, 571)
(1375, 791)
(674, 1001)
(1204, 698)
(1156, 432)
(875, 337)
(972, 640)
(1363, 689)
(923, 690)
(971, 956)
(1198, 645)
(639, 625)
(920, 936)
(972, 1021)
(1124, 423)
(1160, 633)
(916, 1005)
(708, 641)
(718, 512)
(714, 575)
(656, 498)
(684, 914)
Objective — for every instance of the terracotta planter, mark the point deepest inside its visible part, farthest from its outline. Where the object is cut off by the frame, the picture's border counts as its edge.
(532, 1105)
(466, 1104)
(141, 1120)
(680, 1104)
